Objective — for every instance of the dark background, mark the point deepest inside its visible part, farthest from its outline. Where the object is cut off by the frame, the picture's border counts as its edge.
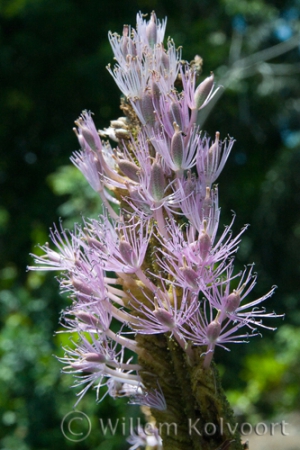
(52, 66)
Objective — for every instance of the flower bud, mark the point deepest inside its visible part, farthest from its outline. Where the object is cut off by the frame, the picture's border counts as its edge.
(129, 169)
(88, 131)
(157, 182)
(94, 243)
(51, 255)
(175, 114)
(213, 330)
(119, 124)
(191, 277)
(147, 109)
(151, 30)
(164, 317)
(177, 147)
(203, 90)
(165, 60)
(88, 319)
(232, 302)
(155, 94)
(155, 91)
(122, 133)
(90, 138)
(82, 287)
(95, 357)
(128, 47)
(204, 242)
(127, 253)
(213, 155)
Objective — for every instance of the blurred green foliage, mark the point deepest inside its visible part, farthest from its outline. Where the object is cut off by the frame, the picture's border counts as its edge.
(52, 63)
(69, 182)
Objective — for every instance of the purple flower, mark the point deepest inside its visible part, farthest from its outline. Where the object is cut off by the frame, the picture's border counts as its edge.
(121, 248)
(87, 133)
(139, 53)
(141, 267)
(96, 361)
(212, 158)
(206, 329)
(67, 255)
(166, 313)
(231, 303)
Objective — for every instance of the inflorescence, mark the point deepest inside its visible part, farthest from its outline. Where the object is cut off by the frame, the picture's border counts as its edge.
(154, 262)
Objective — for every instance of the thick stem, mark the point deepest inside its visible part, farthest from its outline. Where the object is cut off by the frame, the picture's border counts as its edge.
(198, 416)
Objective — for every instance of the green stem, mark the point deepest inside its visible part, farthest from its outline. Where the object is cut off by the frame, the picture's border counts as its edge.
(198, 416)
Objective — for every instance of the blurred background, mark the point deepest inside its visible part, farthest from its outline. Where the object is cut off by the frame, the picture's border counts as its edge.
(52, 66)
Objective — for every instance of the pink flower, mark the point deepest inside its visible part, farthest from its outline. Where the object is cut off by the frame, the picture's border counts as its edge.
(141, 267)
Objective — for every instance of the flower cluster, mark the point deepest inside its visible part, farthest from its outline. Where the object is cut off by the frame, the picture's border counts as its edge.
(154, 262)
